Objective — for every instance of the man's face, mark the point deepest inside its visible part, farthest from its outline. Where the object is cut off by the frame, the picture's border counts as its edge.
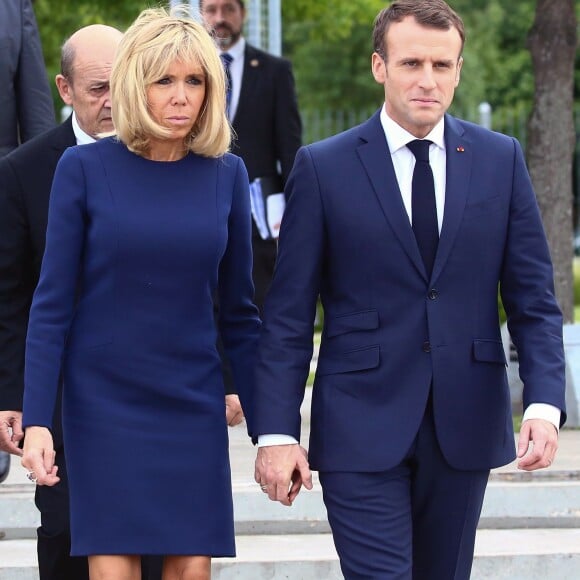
(88, 90)
(421, 72)
(225, 19)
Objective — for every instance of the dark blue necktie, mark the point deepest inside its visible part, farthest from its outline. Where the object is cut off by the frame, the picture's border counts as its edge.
(227, 59)
(423, 207)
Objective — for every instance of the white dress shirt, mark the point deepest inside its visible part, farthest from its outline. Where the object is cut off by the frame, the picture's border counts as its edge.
(81, 137)
(404, 164)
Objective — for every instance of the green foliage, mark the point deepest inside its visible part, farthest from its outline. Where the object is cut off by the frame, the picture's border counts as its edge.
(333, 20)
(577, 284)
(332, 73)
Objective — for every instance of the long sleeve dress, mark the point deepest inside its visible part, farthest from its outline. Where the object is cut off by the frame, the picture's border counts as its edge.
(135, 251)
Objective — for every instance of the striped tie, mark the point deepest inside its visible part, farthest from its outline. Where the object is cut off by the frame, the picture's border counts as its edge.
(227, 59)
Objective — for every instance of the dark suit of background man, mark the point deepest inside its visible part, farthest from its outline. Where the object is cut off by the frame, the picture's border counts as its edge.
(410, 404)
(25, 181)
(263, 113)
(267, 133)
(26, 107)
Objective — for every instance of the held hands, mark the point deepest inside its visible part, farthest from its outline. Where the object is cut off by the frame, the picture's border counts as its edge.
(543, 437)
(11, 431)
(38, 456)
(281, 470)
(234, 412)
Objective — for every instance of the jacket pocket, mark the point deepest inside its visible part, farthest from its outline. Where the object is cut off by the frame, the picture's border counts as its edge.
(365, 320)
(345, 362)
(489, 351)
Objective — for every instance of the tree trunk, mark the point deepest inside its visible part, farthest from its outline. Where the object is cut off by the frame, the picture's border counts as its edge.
(551, 136)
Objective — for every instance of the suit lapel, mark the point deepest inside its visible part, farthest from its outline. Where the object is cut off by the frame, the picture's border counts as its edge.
(250, 76)
(459, 154)
(63, 137)
(376, 159)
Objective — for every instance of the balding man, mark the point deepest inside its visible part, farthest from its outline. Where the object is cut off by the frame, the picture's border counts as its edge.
(25, 181)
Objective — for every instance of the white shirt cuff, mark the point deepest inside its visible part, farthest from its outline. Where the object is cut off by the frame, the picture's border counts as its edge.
(275, 439)
(543, 411)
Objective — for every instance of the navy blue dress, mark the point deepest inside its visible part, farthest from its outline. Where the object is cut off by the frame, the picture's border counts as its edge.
(135, 251)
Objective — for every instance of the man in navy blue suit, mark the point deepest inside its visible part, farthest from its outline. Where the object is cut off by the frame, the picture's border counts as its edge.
(405, 226)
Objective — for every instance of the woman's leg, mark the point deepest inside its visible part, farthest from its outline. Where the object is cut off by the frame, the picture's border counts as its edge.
(115, 567)
(187, 568)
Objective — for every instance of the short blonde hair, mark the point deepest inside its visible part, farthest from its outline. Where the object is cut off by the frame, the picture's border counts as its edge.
(151, 44)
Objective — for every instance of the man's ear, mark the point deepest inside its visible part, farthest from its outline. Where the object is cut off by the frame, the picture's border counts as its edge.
(64, 89)
(379, 68)
(458, 73)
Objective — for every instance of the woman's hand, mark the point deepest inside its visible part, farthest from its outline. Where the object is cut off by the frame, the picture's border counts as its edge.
(38, 456)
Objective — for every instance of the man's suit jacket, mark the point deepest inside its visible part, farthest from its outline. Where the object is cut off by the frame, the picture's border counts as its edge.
(392, 335)
(268, 133)
(267, 122)
(25, 181)
(26, 107)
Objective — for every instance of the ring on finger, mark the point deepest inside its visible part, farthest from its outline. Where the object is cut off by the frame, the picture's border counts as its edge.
(31, 476)
(263, 487)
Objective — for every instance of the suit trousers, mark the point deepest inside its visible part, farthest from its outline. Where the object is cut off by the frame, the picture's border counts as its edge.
(53, 546)
(415, 521)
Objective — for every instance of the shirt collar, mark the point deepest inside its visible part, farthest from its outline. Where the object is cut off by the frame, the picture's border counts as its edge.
(237, 50)
(81, 137)
(397, 137)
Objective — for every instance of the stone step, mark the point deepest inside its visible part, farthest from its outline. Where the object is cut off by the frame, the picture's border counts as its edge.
(543, 503)
(499, 554)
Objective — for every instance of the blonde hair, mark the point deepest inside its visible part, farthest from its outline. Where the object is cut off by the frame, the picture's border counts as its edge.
(151, 44)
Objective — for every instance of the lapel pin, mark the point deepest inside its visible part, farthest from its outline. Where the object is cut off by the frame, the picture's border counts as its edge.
(254, 62)
(461, 149)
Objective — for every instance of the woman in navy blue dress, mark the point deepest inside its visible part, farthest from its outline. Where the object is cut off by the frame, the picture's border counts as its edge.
(144, 229)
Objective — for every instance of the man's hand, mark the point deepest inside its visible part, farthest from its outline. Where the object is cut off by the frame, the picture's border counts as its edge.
(281, 470)
(38, 456)
(11, 431)
(543, 437)
(234, 412)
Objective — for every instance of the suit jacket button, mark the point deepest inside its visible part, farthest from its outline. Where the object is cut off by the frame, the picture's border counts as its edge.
(426, 346)
(433, 294)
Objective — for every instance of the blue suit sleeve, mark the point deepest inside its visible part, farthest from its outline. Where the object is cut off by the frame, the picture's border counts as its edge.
(527, 290)
(286, 343)
(54, 299)
(239, 323)
(35, 105)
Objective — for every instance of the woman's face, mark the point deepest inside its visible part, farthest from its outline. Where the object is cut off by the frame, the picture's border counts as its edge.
(175, 99)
